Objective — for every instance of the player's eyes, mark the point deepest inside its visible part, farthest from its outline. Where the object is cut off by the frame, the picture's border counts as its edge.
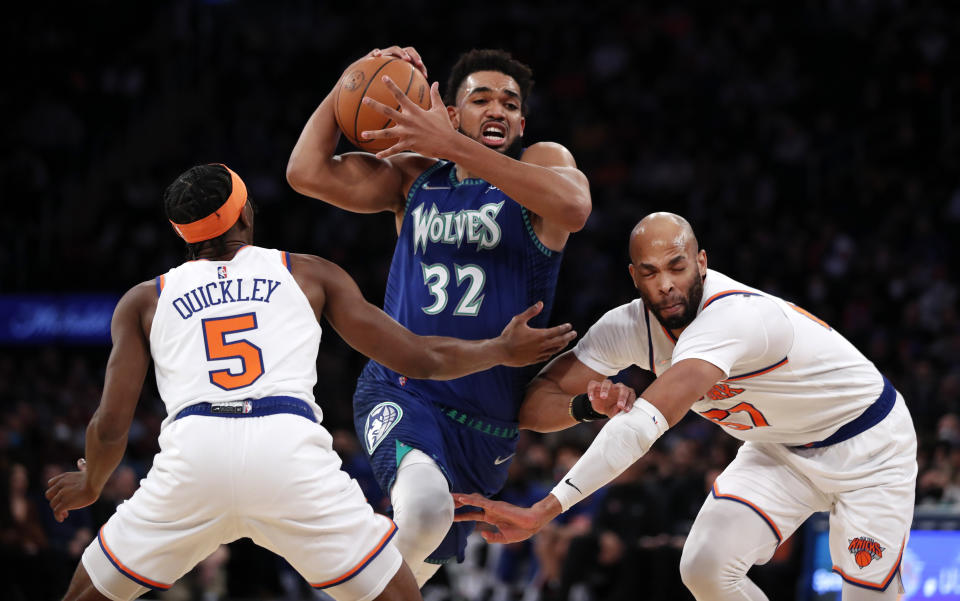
(512, 107)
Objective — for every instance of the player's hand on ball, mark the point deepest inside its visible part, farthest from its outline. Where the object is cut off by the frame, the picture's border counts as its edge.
(524, 345)
(427, 132)
(610, 398)
(408, 53)
(70, 490)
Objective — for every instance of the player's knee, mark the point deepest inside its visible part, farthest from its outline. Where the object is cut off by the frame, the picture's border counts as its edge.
(707, 570)
(426, 514)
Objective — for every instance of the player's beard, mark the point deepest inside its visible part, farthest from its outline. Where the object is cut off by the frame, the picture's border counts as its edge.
(514, 150)
(691, 301)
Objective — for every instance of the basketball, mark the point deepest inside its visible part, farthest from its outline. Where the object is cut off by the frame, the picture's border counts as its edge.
(364, 78)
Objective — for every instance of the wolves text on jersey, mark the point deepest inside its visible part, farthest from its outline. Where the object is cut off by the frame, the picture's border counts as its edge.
(224, 291)
(475, 226)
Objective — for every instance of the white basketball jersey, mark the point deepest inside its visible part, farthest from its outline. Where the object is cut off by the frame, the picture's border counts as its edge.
(790, 378)
(233, 330)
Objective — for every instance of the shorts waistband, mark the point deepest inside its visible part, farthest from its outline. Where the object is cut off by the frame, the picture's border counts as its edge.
(268, 405)
(872, 416)
(489, 426)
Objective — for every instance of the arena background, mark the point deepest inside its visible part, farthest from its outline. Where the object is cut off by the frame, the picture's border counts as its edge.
(813, 145)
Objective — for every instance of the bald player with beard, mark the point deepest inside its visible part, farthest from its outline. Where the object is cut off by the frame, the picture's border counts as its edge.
(823, 429)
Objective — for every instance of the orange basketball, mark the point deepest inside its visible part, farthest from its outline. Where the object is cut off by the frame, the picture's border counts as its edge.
(863, 558)
(365, 78)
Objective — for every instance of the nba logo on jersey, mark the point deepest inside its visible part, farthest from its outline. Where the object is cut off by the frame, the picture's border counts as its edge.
(222, 272)
(379, 423)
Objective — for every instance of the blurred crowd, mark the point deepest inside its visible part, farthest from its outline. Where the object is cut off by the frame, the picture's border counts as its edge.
(813, 145)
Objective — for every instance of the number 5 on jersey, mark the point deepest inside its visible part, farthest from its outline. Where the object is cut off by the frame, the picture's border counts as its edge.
(215, 331)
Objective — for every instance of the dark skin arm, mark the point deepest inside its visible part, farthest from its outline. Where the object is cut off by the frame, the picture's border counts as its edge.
(334, 295)
(546, 405)
(107, 432)
(673, 393)
(546, 181)
(355, 181)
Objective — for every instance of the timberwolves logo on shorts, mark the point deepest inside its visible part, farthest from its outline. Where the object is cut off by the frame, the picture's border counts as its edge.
(379, 423)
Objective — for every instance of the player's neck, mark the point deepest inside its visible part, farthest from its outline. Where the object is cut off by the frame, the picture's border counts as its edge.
(462, 174)
(230, 249)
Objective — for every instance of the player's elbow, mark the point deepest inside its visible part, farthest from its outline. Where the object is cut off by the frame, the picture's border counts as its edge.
(298, 176)
(579, 213)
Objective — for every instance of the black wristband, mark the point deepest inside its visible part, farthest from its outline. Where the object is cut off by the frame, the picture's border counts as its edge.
(582, 411)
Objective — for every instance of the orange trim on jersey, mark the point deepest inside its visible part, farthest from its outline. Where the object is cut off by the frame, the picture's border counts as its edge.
(163, 281)
(221, 219)
(127, 571)
(776, 531)
(760, 372)
(668, 333)
(283, 259)
(725, 293)
(363, 562)
(886, 581)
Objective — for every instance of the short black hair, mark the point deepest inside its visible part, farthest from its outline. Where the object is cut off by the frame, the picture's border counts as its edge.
(195, 194)
(489, 60)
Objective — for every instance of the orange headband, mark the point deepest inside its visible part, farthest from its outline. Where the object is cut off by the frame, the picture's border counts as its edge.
(220, 220)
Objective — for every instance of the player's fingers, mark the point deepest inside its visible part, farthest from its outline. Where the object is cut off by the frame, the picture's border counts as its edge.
(405, 103)
(469, 516)
(383, 109)
(605, 388)
(493, 536)
(396, 51)
(378, 134)
(435, 100)
(530, 312)
(374, 52)
(52, 492)
(395, 149)
(472, 499)
(417, 60)
(592, 386)
(558, 331)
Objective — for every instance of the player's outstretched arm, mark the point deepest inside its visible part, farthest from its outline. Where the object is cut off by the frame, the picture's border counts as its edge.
(108, 428)
(369, 330)
(355, 181)
(623, 440)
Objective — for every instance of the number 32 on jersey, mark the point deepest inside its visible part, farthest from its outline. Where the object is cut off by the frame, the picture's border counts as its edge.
(437, 277)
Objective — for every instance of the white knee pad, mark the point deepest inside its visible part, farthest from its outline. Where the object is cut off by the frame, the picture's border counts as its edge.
(727, 538)
(422, 510)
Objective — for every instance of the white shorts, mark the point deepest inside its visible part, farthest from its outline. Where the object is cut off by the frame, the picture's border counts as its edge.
(866, 483)
(274, 479)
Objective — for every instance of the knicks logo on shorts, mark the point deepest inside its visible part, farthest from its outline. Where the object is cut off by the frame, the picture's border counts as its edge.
(865, 550)
(379, 422)
(723, 391)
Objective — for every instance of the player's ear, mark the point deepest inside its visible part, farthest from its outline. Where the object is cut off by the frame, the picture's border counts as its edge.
(454, 116)
(246, 216)
(633, 274)
(702, 262)
(523, 124)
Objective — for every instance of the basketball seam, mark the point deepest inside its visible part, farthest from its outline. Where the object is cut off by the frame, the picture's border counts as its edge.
(362, 94)
(405, 93)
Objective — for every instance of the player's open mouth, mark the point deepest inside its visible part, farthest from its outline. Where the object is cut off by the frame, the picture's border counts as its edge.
(493, 134)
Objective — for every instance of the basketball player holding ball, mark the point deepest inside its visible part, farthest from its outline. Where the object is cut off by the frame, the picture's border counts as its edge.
(482, 222)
